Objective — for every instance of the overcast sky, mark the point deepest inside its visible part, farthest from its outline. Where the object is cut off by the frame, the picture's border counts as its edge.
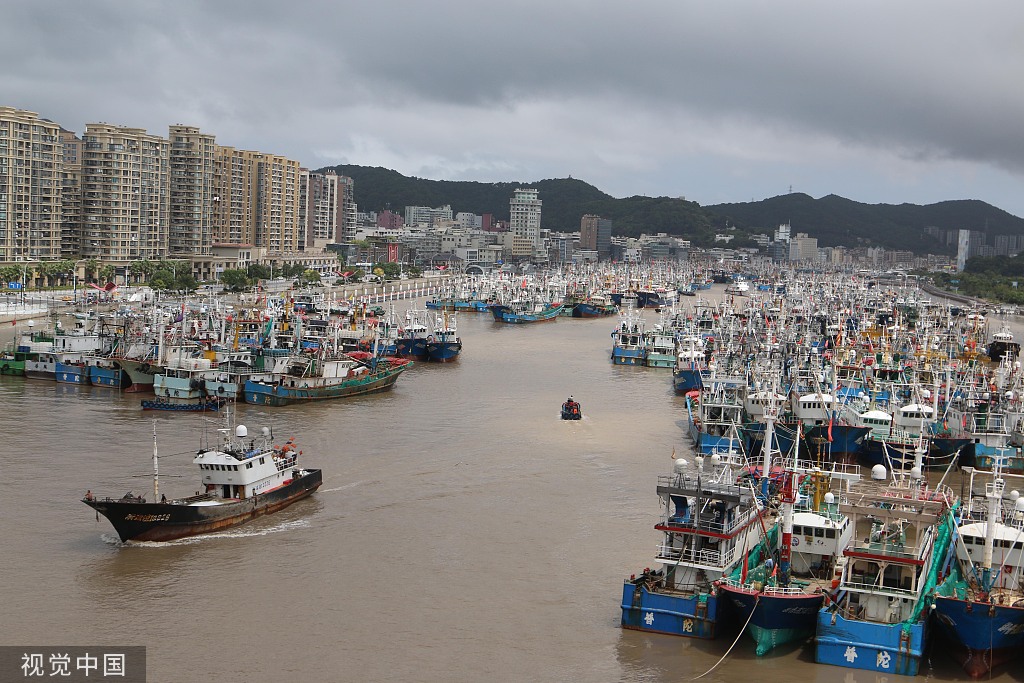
(716, 101)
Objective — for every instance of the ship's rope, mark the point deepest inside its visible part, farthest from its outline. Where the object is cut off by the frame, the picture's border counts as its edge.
(738, 636)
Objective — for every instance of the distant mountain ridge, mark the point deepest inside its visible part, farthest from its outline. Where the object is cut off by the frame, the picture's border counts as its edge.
(833, 220)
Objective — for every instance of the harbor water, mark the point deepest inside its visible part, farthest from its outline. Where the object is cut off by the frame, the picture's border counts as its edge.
(463, 531)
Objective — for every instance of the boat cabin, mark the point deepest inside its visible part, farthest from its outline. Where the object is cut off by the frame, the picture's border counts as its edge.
(243, 470)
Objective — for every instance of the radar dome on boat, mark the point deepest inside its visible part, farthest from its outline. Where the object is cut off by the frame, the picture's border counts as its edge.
(878, 472)
(915, 472)
(716, 458)
(265, 431)
(830, 498)
(1019, 505)
(241, 432)
(679, 466)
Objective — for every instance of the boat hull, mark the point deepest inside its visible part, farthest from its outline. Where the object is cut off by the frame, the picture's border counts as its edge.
(443, 351)
(71, 373)
(856, 644)
(281, 394)
(983, 635)
(411, 347)
(504, 314)
(141, 374)
(774, 619)
(139, 521)
(690, 615)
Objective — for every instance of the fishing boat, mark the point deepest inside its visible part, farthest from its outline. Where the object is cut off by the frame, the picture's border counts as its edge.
(628, 339)
(660, 347)
(594, 306)
(979, 605)
(689, 363)
(525, 311)
(411, 341)
(572, 410)
(302, 378)
(1003, 344)
(243, 478)
(710, 524)
(876, 617)
(778, 599)
(443, 344)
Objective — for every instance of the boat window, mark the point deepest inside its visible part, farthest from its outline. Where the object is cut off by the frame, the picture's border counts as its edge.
(248, 465)
(796, 530)
(830, 533)
(819, 532)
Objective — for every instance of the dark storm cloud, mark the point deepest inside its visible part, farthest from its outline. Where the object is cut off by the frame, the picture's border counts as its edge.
(915, 101)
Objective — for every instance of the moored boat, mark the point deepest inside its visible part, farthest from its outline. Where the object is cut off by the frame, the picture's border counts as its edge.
(979, 605)
(444, 345)
(877, 616)
(305, 378)
(526, 311)
(710, 525)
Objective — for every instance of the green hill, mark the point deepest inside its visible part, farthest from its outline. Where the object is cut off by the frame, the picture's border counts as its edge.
(832, 219)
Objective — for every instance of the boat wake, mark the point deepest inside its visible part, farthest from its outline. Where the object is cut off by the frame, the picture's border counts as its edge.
(350, 485)
(190, 540)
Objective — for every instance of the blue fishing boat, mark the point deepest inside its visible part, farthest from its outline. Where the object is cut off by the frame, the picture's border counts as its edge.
(710, 525)
(979, 606)
(628, 339)
(778, 599)
(411, 341)
(525, 311)
(443, 344)
(691, 361)
(877, 616)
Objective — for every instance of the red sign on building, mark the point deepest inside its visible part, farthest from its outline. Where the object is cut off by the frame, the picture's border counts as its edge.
(393, 253)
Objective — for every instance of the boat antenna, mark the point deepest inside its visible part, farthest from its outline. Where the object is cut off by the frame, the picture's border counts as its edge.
(156, 468)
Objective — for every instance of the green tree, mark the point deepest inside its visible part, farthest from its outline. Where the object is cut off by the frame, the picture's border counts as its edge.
(235, 279)
(309, 277)
(106, 273)
(258, 271)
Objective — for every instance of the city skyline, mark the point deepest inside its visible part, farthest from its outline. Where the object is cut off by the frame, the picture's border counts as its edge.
(729, 103)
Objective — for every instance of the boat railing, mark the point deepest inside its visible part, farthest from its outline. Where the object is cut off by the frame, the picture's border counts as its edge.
(769, 589)
(711, 558)
(870, 583)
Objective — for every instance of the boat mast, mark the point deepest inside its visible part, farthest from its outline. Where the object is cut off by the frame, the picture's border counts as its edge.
(789, 494)
(156, 468)
(993, 497)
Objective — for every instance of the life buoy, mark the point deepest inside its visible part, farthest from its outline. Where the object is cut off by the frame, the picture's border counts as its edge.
(1007, 569)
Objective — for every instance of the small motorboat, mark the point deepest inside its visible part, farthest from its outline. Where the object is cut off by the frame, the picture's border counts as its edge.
(571, 410)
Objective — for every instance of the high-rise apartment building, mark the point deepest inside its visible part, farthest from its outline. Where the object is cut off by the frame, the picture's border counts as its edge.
(348, 208)
(524, 215)
(31, 159)
(71, 195)
(125, 202)
(323, 208)
(596, 234)
(257, 200)
(192, 155)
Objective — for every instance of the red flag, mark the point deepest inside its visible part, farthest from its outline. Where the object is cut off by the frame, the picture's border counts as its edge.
(830, 430)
